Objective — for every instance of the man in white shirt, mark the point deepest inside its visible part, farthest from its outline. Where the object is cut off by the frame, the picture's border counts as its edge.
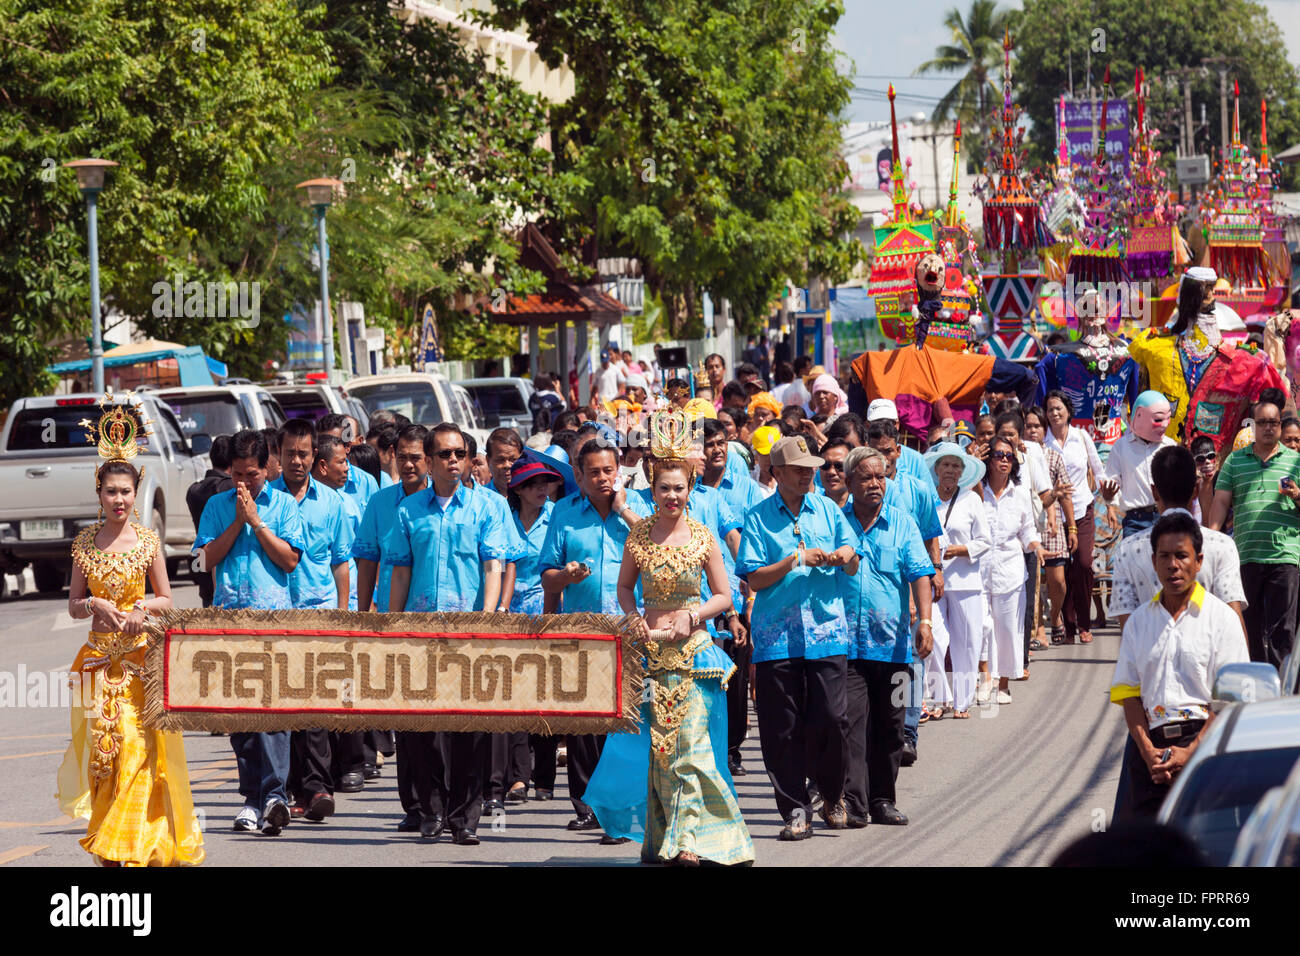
(1134, 581)
(1129, 466)
(610, 379)
(1171, 649)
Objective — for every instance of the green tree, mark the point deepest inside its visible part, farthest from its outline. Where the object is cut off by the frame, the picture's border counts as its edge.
(702, 138)
(1164, 38)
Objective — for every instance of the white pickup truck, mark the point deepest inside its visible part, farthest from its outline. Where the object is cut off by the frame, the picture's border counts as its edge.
(47, 482)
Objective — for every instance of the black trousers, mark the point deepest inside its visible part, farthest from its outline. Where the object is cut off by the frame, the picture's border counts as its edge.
(542, 767)
(803, 727)
(1138, 797)
(1271, 590)
(876, 692)
(498, 768)
(738, 696)
(406, 759)
(519, 765)
(448, 773)
(584, 753)
(318, 758)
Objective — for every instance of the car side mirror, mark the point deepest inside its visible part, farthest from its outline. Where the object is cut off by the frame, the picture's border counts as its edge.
(200, 443)
(1246, 682)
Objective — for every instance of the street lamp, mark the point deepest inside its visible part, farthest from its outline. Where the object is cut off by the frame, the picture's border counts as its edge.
(90, 180)
(320, 194)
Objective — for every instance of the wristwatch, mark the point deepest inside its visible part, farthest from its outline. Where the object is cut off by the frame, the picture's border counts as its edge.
(925, 621)
(259, 526)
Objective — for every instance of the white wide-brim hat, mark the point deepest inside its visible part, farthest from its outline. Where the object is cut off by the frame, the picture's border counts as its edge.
(972, 469)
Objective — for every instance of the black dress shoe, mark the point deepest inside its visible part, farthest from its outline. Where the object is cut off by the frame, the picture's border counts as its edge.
(586, 821)
(735, 766)
(541, 794)
(909, 754)
(856, 822)
(517, 795)
(409, 823)
(321, 806)
(888, 814)
(491, 806)
(431, 827)
(465, 838)
(371, 772)
(351, 783)
(608, 840)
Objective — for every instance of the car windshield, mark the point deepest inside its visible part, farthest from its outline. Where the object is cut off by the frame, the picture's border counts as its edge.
(416, 400)
(498, 399)
(1223, 791)
(309, 405)
(207, 414)
(50, 427)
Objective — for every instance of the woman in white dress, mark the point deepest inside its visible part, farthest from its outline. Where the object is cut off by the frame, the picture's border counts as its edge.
(964, 540)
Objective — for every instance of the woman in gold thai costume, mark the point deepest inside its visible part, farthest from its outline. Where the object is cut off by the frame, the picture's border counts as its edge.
(690, 812)
(129, 781)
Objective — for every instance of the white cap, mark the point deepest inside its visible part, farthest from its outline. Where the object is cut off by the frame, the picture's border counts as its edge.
(1202, 274)
(637, 381)
(882, 408)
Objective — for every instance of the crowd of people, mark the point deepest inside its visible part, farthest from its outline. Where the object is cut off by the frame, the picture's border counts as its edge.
(820, 565)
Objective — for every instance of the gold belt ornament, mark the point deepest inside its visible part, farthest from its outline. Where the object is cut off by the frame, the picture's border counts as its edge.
(109, 650)
(668, 704)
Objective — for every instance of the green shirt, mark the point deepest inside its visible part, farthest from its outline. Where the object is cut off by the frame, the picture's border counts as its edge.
(1265, 523)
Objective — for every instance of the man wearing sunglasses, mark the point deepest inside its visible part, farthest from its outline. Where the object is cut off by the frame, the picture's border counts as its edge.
(1261, 484)
(448, 548)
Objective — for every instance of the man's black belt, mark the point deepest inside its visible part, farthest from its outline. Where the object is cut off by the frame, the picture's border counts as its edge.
(1140, 512)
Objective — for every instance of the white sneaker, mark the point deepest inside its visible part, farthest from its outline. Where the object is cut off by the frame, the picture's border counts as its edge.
(248, 821)
(983, 692)
(1004, 697)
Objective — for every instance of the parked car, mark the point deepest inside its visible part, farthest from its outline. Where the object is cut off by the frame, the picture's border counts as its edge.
(426, 398)
(1271, 837)
(222, 409)
(1249, 749)
(316, 400)
(503, 403)
(47, 469)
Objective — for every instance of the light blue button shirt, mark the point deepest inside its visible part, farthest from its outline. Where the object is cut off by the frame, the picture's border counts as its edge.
(354, 515)
(359, 486)
(741, 493)
(915, 499)
(327, 539)
(385, 480)
(912, 462)
(377, 520)
(577, 533)
(529, 597)
(446, 548)
(877, 600)
(802, 615)
(246, 576)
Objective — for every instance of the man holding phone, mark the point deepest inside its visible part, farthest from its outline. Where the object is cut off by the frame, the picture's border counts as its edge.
(1171, 649)
(1259, 484)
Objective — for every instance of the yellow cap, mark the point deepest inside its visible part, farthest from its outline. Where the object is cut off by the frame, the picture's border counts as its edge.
(763, 439)
(700, 408)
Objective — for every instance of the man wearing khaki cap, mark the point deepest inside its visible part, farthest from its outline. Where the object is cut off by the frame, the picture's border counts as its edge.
(793, 548)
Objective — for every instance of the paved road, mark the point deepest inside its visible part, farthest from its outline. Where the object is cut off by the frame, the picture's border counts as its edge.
(1011, 787)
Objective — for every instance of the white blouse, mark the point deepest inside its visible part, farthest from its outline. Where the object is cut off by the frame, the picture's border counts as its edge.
(965, 524)
(1012, 530)
(1079, 452)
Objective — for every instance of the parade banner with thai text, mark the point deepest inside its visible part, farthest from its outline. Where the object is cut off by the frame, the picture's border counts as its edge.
(232, 671)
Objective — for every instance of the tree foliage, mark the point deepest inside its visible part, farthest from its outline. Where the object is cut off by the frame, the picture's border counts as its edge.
(1164, 38)
(701, 138)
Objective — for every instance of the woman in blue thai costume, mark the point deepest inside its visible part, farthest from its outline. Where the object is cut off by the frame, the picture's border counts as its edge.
(670, 782)
(533, 478)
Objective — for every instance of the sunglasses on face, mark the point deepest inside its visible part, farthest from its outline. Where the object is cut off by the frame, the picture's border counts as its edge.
(833, 466)
(446, 454)
(1268, 423)
(1004, 456)
(1207, 456)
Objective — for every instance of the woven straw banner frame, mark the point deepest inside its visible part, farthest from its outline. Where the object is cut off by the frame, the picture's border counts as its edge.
(256, 671)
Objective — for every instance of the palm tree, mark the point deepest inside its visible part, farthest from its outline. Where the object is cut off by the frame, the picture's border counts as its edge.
(976, 49)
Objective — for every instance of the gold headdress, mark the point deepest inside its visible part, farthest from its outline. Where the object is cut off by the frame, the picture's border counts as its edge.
(117, 434)
(702, 378)
(672, 440)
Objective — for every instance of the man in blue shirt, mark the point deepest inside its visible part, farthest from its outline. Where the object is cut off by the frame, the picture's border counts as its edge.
(741, 493)
(251, 537)
(878, 608)
(580, 561)
(373, 565)
(321, 580)
(916, 499)
(359, 485)
(795, 548)
(910, 461)
(448, 548)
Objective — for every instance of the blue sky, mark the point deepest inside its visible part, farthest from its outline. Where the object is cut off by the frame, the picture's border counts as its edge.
(887, 39)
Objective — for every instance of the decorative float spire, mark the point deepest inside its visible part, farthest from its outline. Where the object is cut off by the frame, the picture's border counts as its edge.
(1012, 221)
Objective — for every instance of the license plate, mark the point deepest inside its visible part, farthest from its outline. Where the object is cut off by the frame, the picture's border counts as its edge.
(42, 530)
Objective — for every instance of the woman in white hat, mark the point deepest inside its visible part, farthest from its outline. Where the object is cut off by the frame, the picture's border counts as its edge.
(965, 538)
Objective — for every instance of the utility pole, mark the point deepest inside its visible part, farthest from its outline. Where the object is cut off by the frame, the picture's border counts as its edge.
(933, 136)
(1222, 63)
